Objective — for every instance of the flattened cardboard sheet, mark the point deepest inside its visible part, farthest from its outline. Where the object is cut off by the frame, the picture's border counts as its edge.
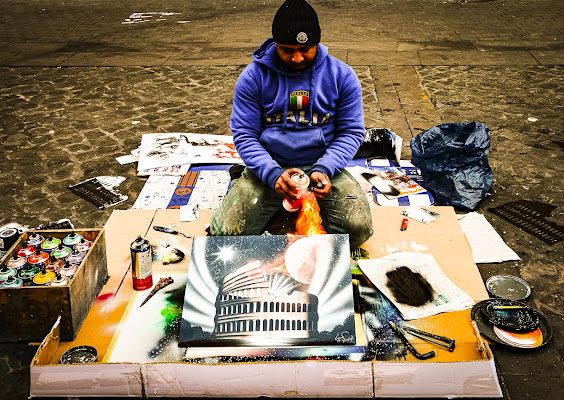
(466, 372)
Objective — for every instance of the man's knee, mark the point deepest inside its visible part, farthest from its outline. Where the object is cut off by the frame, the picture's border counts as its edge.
(360, 231)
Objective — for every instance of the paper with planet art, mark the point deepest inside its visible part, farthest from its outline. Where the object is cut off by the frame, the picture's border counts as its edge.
(281, 290)
(166, 149)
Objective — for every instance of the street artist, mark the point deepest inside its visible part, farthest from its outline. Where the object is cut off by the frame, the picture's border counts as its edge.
(296, 109)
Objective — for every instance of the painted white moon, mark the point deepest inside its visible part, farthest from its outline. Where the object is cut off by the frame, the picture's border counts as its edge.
(301, 258)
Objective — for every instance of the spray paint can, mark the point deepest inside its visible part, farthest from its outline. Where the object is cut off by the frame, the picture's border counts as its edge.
(61, 252)
(38, 259)
(83, 245)
(141, 264)
(44, 277)
(6, 272)
(59, 280)
(72, 238)
(12, 282)
(303, 183)
(26, 250)
(50, 244)
(68, 270)
(8, 237)
(76, 257)
(35, 240)
(27, 274)
(54, 264)
(16, 262)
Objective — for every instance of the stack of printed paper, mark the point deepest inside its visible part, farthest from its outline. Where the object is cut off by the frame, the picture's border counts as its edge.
(178, 170)
(447, 296)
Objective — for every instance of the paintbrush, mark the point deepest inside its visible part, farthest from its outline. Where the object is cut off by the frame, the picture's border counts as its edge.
(162, 283)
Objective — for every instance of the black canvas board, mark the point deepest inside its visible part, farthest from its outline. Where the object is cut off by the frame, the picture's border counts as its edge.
(270, 291)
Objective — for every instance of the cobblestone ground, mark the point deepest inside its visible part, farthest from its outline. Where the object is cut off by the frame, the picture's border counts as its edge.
(526, 159)
(442, 23)
(67, 125)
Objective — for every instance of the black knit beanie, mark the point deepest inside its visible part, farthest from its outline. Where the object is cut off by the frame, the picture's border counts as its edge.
(296, 22)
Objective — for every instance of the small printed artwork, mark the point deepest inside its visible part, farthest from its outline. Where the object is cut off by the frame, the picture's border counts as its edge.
(200, 187)
(178, 170)
(156, 192)
(269, 291)
(165, 149)
(392, 182)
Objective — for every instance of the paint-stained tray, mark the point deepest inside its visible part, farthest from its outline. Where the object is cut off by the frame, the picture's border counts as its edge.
(487, 328)
(80, 355)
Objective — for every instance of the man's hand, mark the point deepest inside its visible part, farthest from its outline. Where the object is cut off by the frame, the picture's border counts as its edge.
(286, 186)
(320, 184)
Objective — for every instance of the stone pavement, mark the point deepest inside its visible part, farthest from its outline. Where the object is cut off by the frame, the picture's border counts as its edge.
(81, 81)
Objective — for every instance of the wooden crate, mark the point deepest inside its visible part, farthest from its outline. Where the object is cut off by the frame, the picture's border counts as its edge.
(29, 312)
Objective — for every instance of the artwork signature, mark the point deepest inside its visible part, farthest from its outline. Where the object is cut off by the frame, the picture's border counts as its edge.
(344, 337)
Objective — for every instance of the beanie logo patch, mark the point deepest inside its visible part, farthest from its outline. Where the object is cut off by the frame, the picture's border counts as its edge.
(299, 99)
(302, 37)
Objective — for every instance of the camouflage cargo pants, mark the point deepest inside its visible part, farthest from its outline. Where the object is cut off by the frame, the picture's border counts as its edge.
(250, 205)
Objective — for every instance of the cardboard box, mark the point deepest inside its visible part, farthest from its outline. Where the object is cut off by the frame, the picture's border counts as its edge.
(469, 371)
(329, 379)
(28, 313)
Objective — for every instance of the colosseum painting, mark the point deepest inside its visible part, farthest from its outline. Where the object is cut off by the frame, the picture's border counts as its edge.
(268, 291)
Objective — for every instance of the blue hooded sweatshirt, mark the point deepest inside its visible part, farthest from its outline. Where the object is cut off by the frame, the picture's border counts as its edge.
(283, 118)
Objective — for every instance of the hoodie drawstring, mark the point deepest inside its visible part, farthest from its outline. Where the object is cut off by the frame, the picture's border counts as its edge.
(286, 101)
(311, 83)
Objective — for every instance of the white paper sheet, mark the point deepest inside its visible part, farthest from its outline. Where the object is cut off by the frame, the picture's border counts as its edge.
(177, 170)
(127, 159)
(189, 212)
(163, 149)
(210, 190)
(448, 297)
(156, 193)
(486, 244)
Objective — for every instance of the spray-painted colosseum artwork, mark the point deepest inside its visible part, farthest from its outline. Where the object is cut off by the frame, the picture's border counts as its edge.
(268, 291)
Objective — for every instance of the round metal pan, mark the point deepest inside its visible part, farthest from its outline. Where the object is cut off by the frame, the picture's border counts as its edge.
(508, 287)
(80, 355)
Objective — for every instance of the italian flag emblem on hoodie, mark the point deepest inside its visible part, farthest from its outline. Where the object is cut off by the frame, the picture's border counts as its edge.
(299, 99)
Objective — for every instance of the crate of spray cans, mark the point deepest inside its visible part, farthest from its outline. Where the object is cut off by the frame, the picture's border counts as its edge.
(47, 273)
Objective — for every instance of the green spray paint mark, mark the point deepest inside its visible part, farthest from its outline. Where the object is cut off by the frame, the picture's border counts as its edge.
(172, 314)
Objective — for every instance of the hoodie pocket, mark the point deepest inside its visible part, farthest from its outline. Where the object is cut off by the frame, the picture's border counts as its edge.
(294, 147)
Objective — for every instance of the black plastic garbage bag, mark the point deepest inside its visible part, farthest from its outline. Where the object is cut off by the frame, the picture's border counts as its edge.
(453, 159)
